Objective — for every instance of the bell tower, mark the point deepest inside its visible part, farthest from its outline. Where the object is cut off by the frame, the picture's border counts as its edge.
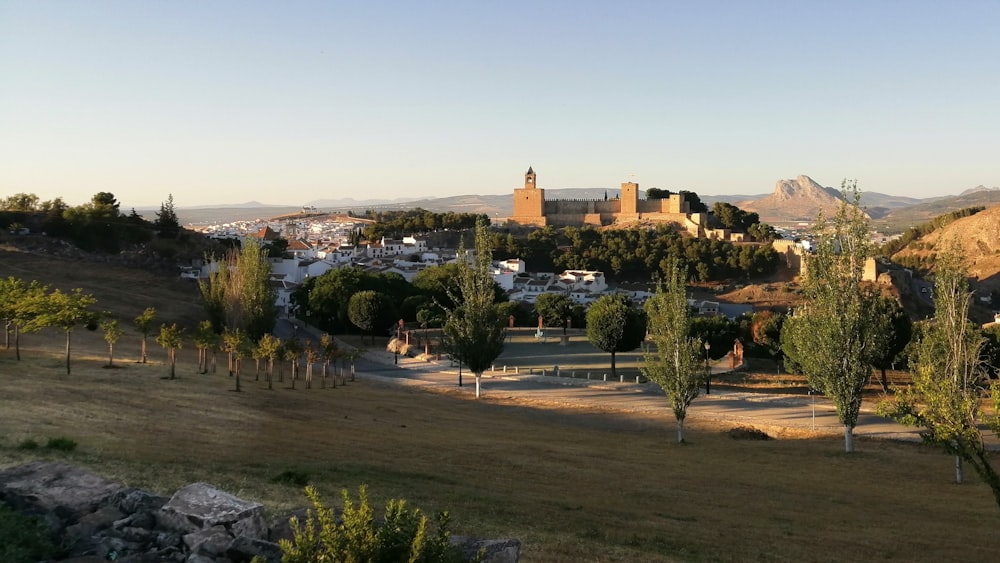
(529, 179)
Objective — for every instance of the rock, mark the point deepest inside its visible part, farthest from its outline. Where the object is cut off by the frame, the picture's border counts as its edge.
(210, 541)
(494, 551)
(65, 491)
(283, 529)
(137, 500)
(243, 550)
(199, 505)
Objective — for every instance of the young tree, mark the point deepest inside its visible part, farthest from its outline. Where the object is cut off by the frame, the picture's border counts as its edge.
(292, 353)
(269, 347)
(312, 356)
(205, 339)
(11, 292)
(949, 377)
(371, 311)
(27, 305)
(614, 325)
(676, 364)
(171, 338)
(474, 330)
(330, 351)
(144, 324)
(112, 332)
(833, 336)
(66, 311)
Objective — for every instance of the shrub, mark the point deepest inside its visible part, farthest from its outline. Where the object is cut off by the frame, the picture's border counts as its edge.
(61, 444)
(28, 444)
(748, 433)
(291, 477)
(23, 539)
(405, 535)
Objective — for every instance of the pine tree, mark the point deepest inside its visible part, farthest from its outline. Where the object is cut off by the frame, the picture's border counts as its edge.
(167, 224)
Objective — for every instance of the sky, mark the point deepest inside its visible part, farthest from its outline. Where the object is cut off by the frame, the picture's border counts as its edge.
(224, 102)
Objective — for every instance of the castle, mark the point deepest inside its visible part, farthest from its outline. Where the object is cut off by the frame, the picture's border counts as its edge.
(531, 208)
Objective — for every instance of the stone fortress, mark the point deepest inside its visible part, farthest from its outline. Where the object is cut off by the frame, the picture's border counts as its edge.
(532, 209)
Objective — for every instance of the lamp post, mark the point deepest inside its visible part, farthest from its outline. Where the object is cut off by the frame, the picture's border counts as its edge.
(708, 371)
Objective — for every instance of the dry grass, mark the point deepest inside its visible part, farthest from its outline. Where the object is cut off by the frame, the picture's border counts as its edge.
(573, 485)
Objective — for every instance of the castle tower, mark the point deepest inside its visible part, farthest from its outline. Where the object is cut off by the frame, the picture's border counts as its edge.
(630, 198)
(529, 202)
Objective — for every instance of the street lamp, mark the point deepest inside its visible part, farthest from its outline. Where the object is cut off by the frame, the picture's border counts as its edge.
(708, 371)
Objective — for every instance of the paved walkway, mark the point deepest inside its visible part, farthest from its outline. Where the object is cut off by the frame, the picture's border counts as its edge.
(770, 412)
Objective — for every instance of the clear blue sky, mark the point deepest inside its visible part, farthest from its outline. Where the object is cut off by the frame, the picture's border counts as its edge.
(288, 102)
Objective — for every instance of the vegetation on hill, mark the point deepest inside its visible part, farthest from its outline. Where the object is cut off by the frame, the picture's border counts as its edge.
(397, 224)
(636, 254)
(913, 233)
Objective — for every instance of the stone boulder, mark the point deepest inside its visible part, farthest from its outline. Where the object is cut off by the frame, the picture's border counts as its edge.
(55, 489)
(199, 506)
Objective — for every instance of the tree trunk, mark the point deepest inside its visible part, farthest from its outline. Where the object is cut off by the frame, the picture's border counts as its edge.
(959, 473)
(17, 342)
(237, 375)
(68, 333)
(142, 350)
(680, 431)
(848, 438)
(173, 363)
(884, 381)
(213, 361)
(111, 355)
(479, 377)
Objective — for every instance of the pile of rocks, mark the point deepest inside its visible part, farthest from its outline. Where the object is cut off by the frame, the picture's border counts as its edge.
(98, 520)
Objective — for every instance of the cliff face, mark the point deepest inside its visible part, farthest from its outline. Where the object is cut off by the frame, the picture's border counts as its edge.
(800, 199)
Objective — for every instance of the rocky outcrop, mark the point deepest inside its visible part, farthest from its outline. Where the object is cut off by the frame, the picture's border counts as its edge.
(800, 199)
(98, 520)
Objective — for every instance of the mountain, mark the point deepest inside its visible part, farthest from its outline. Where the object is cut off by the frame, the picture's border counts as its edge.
(795, 200)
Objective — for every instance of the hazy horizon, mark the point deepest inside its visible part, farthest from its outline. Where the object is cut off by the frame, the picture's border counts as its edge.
(290, 103)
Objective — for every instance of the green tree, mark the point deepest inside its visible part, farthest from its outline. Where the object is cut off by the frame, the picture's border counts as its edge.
(949, 377)
(167, 224)
(293, 351)
(474, 330)
(833, 336)
(26, 304)
(614, 325)
(554, 308)
(674, 362)
(238, 293)
(144, 324)
(171, 337)
(329, 351)
(112, 333)
(371, 311)
(66, 311)
(890, 342)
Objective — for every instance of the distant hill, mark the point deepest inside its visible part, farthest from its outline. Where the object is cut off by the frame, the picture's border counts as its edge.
(905, 217)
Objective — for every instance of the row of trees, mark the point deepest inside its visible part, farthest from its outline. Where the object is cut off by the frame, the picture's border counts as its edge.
(397, 224)
(633, 254)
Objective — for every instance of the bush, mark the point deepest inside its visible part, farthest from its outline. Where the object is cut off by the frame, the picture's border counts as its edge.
(291, 477)
(28, 444)
(748, 433)
(23, 539)
(405, 535)
(61, 444)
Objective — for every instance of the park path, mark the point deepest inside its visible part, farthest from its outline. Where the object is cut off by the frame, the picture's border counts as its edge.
(774, 413)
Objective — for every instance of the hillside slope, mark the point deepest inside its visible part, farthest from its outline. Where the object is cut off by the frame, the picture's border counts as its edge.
(979, 238)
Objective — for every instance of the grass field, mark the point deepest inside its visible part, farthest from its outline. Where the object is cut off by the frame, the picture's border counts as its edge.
(573, 485)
